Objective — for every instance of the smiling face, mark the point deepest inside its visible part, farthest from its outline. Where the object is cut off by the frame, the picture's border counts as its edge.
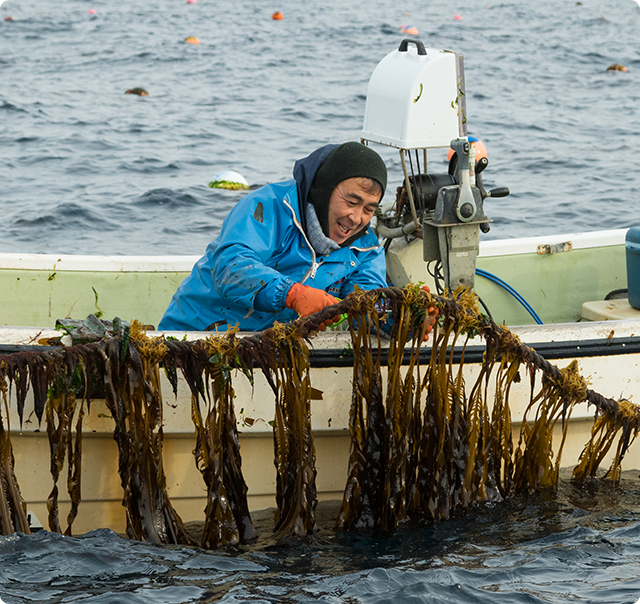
(351, 207)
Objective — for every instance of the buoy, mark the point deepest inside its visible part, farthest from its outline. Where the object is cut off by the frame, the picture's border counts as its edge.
(192, 40)
(192, 1)
(229, 180)
(481, 150)
(8, 18)
(409, 29)
(92, 11)
(138, 91)
(457, 17)
(616, 67)
(277, 16)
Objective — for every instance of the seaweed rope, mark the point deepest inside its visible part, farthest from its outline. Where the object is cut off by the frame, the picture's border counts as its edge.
(424, 443)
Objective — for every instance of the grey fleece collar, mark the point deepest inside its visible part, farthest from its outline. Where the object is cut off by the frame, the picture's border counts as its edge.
(320, 242)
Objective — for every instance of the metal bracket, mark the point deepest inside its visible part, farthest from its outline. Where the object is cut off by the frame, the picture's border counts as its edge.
(556, 248)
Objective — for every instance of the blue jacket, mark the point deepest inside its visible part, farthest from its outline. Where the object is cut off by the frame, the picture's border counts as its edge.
(247, 271)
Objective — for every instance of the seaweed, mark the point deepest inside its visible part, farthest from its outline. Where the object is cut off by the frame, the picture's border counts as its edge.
(217, 451)
(424, 443)
(283, 356)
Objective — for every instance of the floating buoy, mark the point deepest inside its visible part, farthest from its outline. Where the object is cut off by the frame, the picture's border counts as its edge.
(229, 180)
(92, 11)
(192, 1)
(138, 91)
(8, 18)
(409, 29)
(192, 40)
(616, 67)
(481, 150)
(457, 17)
(277, 16)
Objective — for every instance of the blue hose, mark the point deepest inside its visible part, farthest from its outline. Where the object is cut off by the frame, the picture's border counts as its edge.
(512, 291)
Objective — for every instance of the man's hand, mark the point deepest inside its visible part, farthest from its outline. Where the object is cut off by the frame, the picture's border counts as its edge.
(307, 300)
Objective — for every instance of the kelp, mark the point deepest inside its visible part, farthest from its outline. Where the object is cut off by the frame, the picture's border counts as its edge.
(132, 394)
(217, 451)
(62, 406)
(284, 357)
(424, 442)
(13, 510)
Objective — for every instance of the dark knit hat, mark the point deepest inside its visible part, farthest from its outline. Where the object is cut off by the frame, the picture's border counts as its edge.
(349, 160)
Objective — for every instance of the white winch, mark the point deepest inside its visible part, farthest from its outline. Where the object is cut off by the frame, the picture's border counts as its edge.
(416, 101)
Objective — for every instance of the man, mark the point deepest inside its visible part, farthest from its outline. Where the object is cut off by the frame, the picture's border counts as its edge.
(290, 249)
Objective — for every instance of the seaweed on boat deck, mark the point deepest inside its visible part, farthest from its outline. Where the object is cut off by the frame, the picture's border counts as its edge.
(425, 443)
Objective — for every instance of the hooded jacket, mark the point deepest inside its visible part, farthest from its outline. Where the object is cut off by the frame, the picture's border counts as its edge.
(262, 250)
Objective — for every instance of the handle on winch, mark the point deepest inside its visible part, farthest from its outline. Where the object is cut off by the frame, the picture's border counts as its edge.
(499, 192)
(404, 46)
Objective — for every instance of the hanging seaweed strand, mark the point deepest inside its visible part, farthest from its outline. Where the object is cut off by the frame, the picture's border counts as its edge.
(13, 509)
(217, 451)
(295, 455)
(132, 392)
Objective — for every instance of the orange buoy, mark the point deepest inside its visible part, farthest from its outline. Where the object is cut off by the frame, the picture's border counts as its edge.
(481, 150)
(192, 40)
(138, 91)
(277, 16)
(8, 18)
(457, 17)
(409, 29)
(92, 11)
(616, 67)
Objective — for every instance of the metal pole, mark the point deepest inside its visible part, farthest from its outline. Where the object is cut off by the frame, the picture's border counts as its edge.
(409, 192)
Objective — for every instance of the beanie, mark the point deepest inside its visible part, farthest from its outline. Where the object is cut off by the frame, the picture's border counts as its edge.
(349, 160)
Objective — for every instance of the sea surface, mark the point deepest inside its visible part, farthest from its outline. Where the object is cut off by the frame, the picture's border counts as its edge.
(87, 169)
(579, 544)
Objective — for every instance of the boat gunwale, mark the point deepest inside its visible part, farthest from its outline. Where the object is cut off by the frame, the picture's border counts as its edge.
(180, 263)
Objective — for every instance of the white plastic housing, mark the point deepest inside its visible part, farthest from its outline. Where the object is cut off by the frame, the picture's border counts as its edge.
(416, 101)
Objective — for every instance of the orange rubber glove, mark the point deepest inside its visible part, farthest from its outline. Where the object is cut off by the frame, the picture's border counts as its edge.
(307, 300)
(431, 318)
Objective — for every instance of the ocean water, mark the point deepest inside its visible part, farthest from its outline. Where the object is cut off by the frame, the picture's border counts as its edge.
(86, 169)
(581, 544)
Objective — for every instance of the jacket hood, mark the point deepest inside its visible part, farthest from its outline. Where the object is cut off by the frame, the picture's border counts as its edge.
(304, 171)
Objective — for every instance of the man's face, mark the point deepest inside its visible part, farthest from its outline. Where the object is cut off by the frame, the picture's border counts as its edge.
(351, 208)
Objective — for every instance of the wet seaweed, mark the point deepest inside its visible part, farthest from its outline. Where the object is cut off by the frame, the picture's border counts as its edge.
(217, 452)
(284, 357)
(61, 408)
(424, 443)
(133, 396)
(13, 509)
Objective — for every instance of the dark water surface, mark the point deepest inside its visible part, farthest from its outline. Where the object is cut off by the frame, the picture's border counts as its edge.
(88, 169)
(85, 168)
(577, 545)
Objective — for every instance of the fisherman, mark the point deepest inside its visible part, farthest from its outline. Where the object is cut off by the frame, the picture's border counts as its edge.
(291, 248)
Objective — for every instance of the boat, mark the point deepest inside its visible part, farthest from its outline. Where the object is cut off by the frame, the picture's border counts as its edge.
(553, 292)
